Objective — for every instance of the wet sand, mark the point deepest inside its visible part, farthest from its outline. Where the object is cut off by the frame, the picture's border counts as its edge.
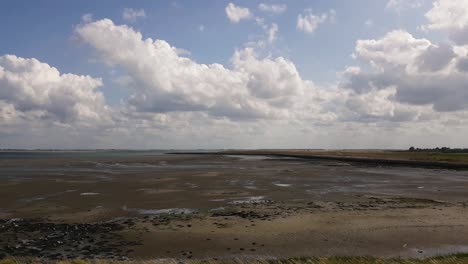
(147, 205)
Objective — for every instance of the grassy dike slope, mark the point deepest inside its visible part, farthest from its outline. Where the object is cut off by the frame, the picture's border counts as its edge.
(451, 259)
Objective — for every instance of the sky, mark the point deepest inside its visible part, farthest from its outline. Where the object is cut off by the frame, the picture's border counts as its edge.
(219, 74)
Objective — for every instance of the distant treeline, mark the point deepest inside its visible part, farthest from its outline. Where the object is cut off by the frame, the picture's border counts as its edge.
(442, 149)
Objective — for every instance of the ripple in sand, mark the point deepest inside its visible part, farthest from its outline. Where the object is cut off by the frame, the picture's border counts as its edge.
(250, 200)
(208, 174)
(224, 192)
(282, 184)
(218, 209)
(248, 157)
(158, 191)
(217, 200)
(89, 194)
(125, 165)
(250, 185)
(43, 197)
(173, 211)
(104, 178)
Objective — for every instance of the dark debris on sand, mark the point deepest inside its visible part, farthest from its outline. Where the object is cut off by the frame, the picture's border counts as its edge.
(38, 238)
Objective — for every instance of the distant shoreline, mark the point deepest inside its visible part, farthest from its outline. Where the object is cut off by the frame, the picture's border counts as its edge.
(365, 160)
(423, 159)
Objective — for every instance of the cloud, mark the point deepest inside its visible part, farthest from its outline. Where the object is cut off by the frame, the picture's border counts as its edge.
(269, 37)
(272, 8)
(422, 73)
(309, 22)
(272, 32)
(88, 17)
(435, 57)
(30, 87)
(404, 85)
(462, 64)
(451, 16)
(396, 48)
(131, 15)
(447, 14)
(378, 105)
(176, 102)
(237, 13)
(165, 81)
(399, 5)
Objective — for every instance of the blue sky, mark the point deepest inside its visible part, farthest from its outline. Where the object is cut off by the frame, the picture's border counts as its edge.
(354, 68)
(44, 30)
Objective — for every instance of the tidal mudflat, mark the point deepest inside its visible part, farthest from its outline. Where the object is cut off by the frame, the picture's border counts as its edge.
(147, 205)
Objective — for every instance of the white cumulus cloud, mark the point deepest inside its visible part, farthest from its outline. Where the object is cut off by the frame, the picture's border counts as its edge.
(395, 48)
(309, 22)
(88, 17)
(131, 15)
(30, 86)
(449, 15)
(400, 5)
(405, 85)
(237, 13)
(272, 32)
(422, 73)
(272, 8)
(165, 81)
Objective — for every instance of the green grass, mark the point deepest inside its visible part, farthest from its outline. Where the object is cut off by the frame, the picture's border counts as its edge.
(451, 259)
